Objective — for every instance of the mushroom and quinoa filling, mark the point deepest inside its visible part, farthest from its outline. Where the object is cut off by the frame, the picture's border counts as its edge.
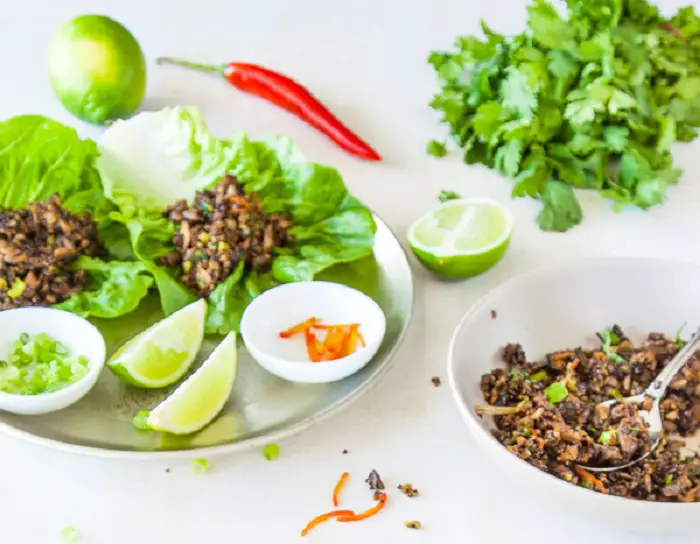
(38, 245)
(547, 414)
(221, 228)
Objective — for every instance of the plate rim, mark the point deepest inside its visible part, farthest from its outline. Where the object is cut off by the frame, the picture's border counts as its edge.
(250, 443)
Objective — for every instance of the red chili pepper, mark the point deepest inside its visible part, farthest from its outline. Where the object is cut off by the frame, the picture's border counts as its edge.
(289, 95)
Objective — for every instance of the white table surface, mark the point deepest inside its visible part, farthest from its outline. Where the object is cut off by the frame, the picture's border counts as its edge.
(367, 59)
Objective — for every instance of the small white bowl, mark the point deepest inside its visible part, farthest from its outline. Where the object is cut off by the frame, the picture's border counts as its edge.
(79, 335)
(284, 306)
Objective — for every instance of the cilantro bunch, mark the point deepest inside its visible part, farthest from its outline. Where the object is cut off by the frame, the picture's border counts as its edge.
(591, 101)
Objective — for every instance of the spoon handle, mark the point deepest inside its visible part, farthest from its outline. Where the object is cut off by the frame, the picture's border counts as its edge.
(658, 387)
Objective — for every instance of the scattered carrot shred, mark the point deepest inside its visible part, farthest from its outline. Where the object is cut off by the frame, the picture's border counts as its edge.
(590, 478)
(325, 517)
(339, 487)
(367, 513)
(301, 327)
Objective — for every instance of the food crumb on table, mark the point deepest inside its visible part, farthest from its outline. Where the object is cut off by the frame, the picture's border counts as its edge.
(436, 381)
(413, 524)
(408, 490)
(494, 314)
(374, 480)
(345, 452)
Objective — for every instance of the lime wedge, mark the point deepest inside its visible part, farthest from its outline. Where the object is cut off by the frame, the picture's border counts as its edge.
(200, 398)
(462, 238)
(160, 355)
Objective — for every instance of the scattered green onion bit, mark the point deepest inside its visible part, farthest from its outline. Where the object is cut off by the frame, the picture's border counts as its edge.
(68, 535)
(445, 196)
(40, 364)
(539, 376)
(199, 466)
(140, 420)
(436, 149)
(556, 392)
(669, 479)
(607, 437)
(271, 452)
(17, 289)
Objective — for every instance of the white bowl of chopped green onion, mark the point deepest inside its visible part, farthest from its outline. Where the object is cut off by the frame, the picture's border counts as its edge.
(49, 359)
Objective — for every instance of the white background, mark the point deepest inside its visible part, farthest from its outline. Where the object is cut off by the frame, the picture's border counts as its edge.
(367, 59)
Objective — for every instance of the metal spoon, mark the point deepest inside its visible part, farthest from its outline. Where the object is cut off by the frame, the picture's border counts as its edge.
(656, 390)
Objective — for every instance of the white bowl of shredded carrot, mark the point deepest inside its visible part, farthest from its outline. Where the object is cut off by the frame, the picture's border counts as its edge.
(313, 332)
(558, 311)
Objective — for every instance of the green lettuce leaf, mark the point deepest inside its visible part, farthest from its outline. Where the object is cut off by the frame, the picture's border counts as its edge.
(157, 158)
(116, 288)
(40, 158)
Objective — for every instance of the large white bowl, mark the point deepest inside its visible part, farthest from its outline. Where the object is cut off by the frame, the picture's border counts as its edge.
(564, 307)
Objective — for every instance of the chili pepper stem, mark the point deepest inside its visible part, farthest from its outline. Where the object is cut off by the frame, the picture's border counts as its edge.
(217, 69)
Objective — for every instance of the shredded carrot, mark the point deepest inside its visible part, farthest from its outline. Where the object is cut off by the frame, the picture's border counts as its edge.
(351, 343)
(343, 325)
(339, 340)
(368, 513)
(339, 487)
(590, 478)
(301, 327)
(335, 341)
(313, 347)
(325, 517)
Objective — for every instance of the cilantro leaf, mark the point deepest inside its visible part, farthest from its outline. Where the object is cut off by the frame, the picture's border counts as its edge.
(560, 210)
(517, 95)
(508, 158)
(548, 28)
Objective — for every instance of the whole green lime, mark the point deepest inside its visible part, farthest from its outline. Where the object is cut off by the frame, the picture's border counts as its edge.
(97, 69)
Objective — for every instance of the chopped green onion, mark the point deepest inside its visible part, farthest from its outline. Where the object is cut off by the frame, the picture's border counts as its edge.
(679, 340)
(140, 420)
(199, 466)
(38, 365)
(617, 395)
(607, 437)
(539, 376)
(68, 535)
(610, 339)
(669, 479)
(518, 374)
(271, 451)
(556, 392)
(17, 289)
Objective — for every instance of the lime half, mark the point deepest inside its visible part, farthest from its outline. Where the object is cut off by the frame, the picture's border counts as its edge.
(97, 69)
(462, 238)
(200, 398)
(160, 355)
